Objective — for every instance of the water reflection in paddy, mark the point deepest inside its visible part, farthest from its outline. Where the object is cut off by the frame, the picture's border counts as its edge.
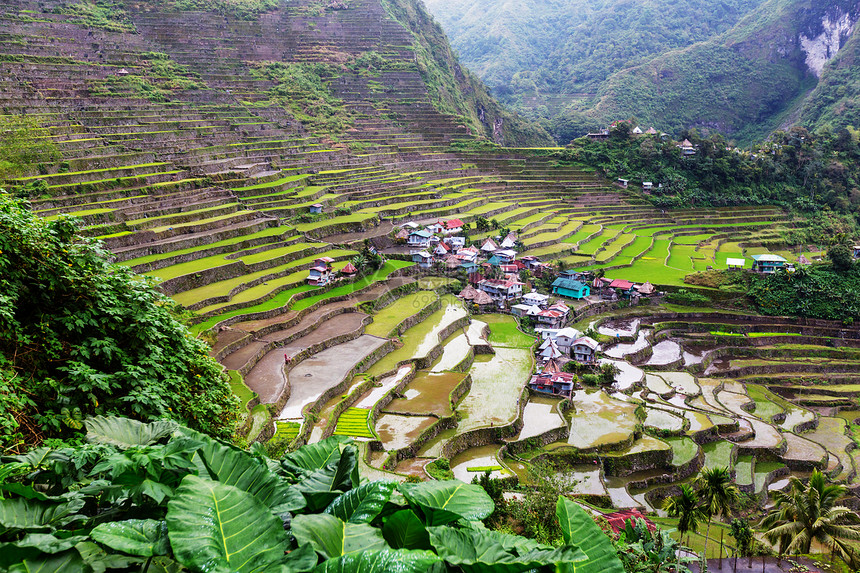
(600, 420)
(628, 375)
(472, 462)
(662, 420)
(540, 415)
(665, 352)
(428, 392)
(497, 382)
(622, 350)
(455, 349)
(682, 382)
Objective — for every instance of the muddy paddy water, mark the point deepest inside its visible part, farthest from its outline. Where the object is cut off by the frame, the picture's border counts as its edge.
(455, 351)
(324, 370)
(476, 461)
(497, 382)
(600, 420)
(622, 350)
(428, 393)
(628, 375)
(665, 352)
(540, 415)
(396, 431)
(621, 327)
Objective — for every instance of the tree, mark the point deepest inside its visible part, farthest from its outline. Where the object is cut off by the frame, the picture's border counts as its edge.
(808, 512)
(841, 257)
(685, 506)
(80, 336)
(718, 494)
(743, 535)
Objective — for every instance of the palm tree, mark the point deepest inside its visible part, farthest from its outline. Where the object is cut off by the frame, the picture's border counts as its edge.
(718, 494)
(685, 506)
(808, 512)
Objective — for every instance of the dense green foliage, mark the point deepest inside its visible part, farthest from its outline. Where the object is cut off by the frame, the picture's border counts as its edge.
(143, 497)
(816, 292)
(80, 336)
(302, 90)
(795, 168)
(23, 142)
(105, 14)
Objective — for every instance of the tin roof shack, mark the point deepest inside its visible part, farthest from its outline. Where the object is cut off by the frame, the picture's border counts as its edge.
(570, 288)
(767, 263)
(584, 350)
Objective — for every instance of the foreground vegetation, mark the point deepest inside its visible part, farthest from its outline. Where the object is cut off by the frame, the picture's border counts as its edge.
(163, 497)
(80, 337)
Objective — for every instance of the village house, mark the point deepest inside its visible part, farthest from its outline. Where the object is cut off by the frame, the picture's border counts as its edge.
(622, 287)
(551, 318)
(536, 299)
(468, 255)
(505, 255)
(584, 350)
(647, 186)
(321, 272)
(570, 288)
(565, 339)
(443, 249)
(687, 148)
(489, 246)
(732, 263)
(419, 239)
(349, 270)
(767, 263)
(551, 380)
(452, 226)
(502, 290)
(423, 259)
(456, 243)
(510, 241)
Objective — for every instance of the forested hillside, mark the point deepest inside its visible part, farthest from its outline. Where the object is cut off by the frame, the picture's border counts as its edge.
(743, 69)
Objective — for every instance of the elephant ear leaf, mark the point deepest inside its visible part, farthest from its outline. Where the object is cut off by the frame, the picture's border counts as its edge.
(314, 456)
(404, 530)
(142, 537)
(479, 551)
(46, 563)
(232, 466)
(579, 529)
(332, 537)
(362, 504)
(323, 486)
(213, 527)
(380, 561)
(28, 514)
(125, 432)
(443, 502)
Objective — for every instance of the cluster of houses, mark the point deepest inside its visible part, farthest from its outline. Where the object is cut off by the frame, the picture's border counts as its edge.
(322, 272)
(558, 347)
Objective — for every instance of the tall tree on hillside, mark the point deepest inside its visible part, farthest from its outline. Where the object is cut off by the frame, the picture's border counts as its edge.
(808, 512)
(718, 494)
(685, 506)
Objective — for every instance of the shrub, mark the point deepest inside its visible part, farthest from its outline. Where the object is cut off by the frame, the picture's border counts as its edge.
(687, 298)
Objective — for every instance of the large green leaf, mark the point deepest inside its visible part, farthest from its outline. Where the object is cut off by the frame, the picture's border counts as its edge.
(315, 456)
(125, 432)
(322, 486)
(42, 457)
(442, 502)
(70, 561)
(143, 537)
(404, 530)
(381, 561)
(480, 551)
(333, 537)
(364, 503)
(578, 528)
(213, 526)
(20, 513)
(232, 466)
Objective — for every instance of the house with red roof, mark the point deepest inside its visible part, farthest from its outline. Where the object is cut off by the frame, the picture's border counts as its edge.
(502, 290)
(321, 272)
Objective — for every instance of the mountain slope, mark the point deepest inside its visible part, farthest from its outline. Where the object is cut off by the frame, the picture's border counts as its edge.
(742, 70)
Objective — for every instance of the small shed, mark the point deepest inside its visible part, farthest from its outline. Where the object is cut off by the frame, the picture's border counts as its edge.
(647, 186)
(349, 270)
(736, 263)
(316, 208)
(623, 182)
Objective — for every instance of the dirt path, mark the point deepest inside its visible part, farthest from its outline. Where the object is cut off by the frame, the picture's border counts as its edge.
(267, 377)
